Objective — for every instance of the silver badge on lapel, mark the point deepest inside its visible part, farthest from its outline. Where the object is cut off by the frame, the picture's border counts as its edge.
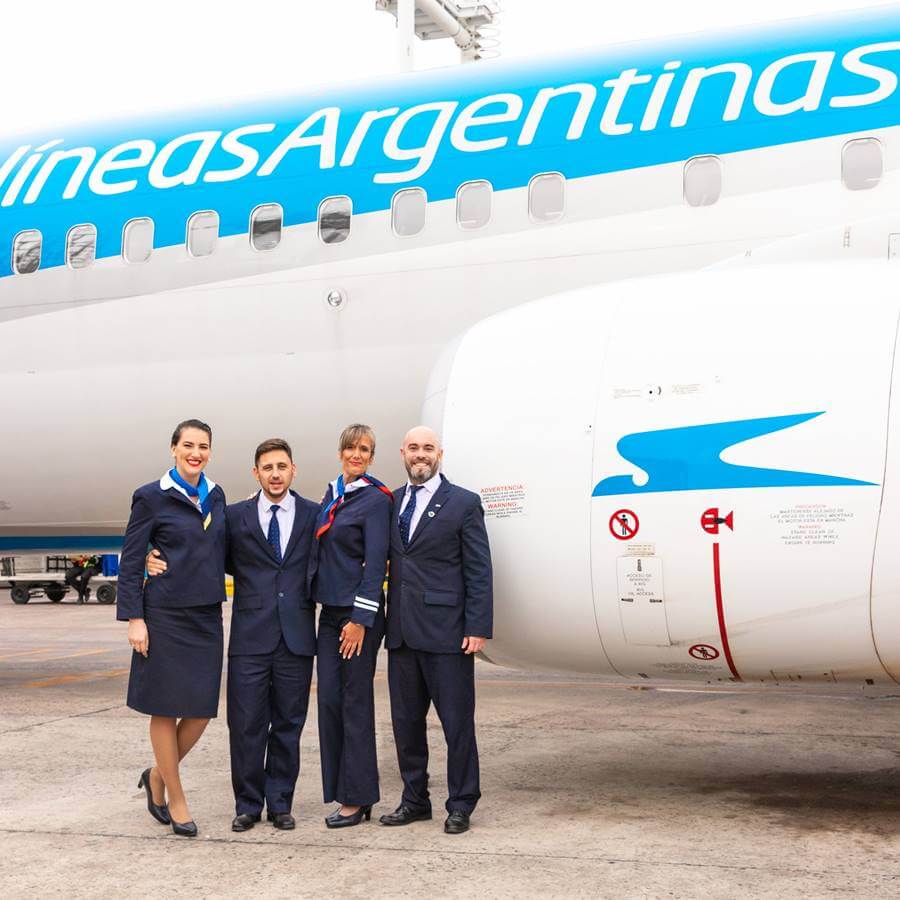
(430, 513)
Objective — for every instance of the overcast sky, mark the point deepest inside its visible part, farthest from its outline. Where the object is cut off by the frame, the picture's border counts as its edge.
(65, 60)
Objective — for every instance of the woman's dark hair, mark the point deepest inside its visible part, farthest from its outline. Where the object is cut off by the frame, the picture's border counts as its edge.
(191, 423)
(270, 445)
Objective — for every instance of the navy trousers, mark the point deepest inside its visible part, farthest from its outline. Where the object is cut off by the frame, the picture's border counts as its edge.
(416, 680)
(268, 696)
(346, 702)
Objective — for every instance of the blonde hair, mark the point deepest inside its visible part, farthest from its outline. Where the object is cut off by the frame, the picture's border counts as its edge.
(353, 434)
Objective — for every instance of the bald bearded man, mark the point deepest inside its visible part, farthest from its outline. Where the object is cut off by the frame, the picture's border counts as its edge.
(439, 615)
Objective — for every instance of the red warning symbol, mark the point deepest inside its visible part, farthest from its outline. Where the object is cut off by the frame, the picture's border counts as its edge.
(711, 520)
(624, 524)
(704, 651)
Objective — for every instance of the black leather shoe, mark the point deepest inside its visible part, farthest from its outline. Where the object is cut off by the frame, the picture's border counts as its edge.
(243, 822)
(283, 821)
(403, 815)
(159, 811)
(339, 821)
(457, 822)
(184, 829)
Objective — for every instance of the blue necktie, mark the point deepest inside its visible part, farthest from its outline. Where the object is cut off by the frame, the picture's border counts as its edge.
(407, 514)
(274, 535)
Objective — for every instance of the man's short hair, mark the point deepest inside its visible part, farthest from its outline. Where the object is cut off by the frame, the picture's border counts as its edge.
(269, 446)
(353, 434)
(190, 423)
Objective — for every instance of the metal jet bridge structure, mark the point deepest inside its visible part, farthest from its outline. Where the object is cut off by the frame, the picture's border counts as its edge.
(472, 26)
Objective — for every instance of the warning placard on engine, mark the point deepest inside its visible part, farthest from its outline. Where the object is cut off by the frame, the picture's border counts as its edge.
(640, 580)
(811, 524)
(503, 501)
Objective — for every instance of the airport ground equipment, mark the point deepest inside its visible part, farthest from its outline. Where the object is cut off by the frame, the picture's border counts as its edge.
(52, 584)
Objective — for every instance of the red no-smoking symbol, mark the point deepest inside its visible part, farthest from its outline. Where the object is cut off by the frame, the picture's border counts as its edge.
(704, 651)
(624, 524)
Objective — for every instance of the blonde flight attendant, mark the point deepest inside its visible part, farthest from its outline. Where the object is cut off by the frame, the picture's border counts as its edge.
(353, 536)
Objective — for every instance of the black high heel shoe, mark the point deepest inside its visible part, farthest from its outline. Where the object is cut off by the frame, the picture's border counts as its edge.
(159, 811)
(336, 820)
(184, 829)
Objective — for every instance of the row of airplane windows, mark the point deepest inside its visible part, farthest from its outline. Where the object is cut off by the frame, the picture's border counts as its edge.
(862, 169)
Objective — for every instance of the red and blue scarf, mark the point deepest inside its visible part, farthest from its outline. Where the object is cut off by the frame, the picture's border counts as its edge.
(339, 492)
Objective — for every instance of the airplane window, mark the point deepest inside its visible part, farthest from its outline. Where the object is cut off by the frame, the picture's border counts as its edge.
(862, 164)
(408, 210)
(266, 222)
(547, 197)
(334, 219)
(202, 233)
(703, 181)
(81, 246)
(27, 252)
(137, 240)
(473, 205)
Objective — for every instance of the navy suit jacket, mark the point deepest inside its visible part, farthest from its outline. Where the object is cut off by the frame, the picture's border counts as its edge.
(271, 599)
(352, 554)
(441, 587)
(196, 555)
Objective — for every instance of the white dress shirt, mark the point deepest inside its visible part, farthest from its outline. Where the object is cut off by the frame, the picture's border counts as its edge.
(286, 509)
(423, 498)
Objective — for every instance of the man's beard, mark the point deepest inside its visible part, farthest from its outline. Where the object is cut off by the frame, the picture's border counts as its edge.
(426, 475)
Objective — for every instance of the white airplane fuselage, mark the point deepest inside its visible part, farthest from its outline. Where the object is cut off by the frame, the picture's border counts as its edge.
(672, 156)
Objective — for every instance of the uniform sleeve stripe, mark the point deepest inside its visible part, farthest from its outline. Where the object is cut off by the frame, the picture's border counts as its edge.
(366, 604)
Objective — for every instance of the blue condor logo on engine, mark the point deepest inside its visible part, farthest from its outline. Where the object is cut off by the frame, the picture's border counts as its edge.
(624, 108)
(689, 459)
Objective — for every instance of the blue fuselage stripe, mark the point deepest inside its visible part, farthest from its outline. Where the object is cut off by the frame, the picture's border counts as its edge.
(734, 110)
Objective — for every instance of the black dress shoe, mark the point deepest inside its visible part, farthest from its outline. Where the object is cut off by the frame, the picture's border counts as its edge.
(336, 820)
(457, 822)
(283, 821)
(159, 811)
(403, 815)
(184, 829)
(243, 822)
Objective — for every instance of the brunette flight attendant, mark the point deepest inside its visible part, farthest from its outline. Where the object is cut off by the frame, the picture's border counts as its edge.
(175, 620)
(353, 539)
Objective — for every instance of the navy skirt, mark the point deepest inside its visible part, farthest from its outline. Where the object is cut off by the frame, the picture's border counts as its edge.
(181, 675)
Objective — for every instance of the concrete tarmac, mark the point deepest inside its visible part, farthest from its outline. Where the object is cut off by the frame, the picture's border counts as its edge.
(591, 789)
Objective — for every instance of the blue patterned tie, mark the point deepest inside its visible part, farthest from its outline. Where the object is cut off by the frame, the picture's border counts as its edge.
(407, 514)
(274, 535)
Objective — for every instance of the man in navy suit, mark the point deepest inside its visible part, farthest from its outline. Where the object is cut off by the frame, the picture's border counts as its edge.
(440, 613)
(273, 638)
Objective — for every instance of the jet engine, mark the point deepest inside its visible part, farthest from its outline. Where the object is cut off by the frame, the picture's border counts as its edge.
(692, 477)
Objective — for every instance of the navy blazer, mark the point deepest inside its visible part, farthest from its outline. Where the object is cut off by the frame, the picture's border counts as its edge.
(271, 599)
(441, 587)
(196, 555)
(352, 555)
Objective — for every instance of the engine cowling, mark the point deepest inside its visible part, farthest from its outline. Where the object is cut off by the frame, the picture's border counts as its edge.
(683, 477)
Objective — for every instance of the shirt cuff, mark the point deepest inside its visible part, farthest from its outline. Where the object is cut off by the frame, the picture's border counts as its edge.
(364, 612)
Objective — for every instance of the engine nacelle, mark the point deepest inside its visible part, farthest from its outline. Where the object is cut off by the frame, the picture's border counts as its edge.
(689, 477)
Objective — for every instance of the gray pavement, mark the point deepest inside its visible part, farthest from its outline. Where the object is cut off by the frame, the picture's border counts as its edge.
(591, 789)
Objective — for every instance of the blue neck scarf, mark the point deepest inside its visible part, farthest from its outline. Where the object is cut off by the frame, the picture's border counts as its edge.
(201, 491)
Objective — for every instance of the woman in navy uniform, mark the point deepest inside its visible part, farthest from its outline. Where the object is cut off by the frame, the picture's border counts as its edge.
(175, 620)
(353, 535)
